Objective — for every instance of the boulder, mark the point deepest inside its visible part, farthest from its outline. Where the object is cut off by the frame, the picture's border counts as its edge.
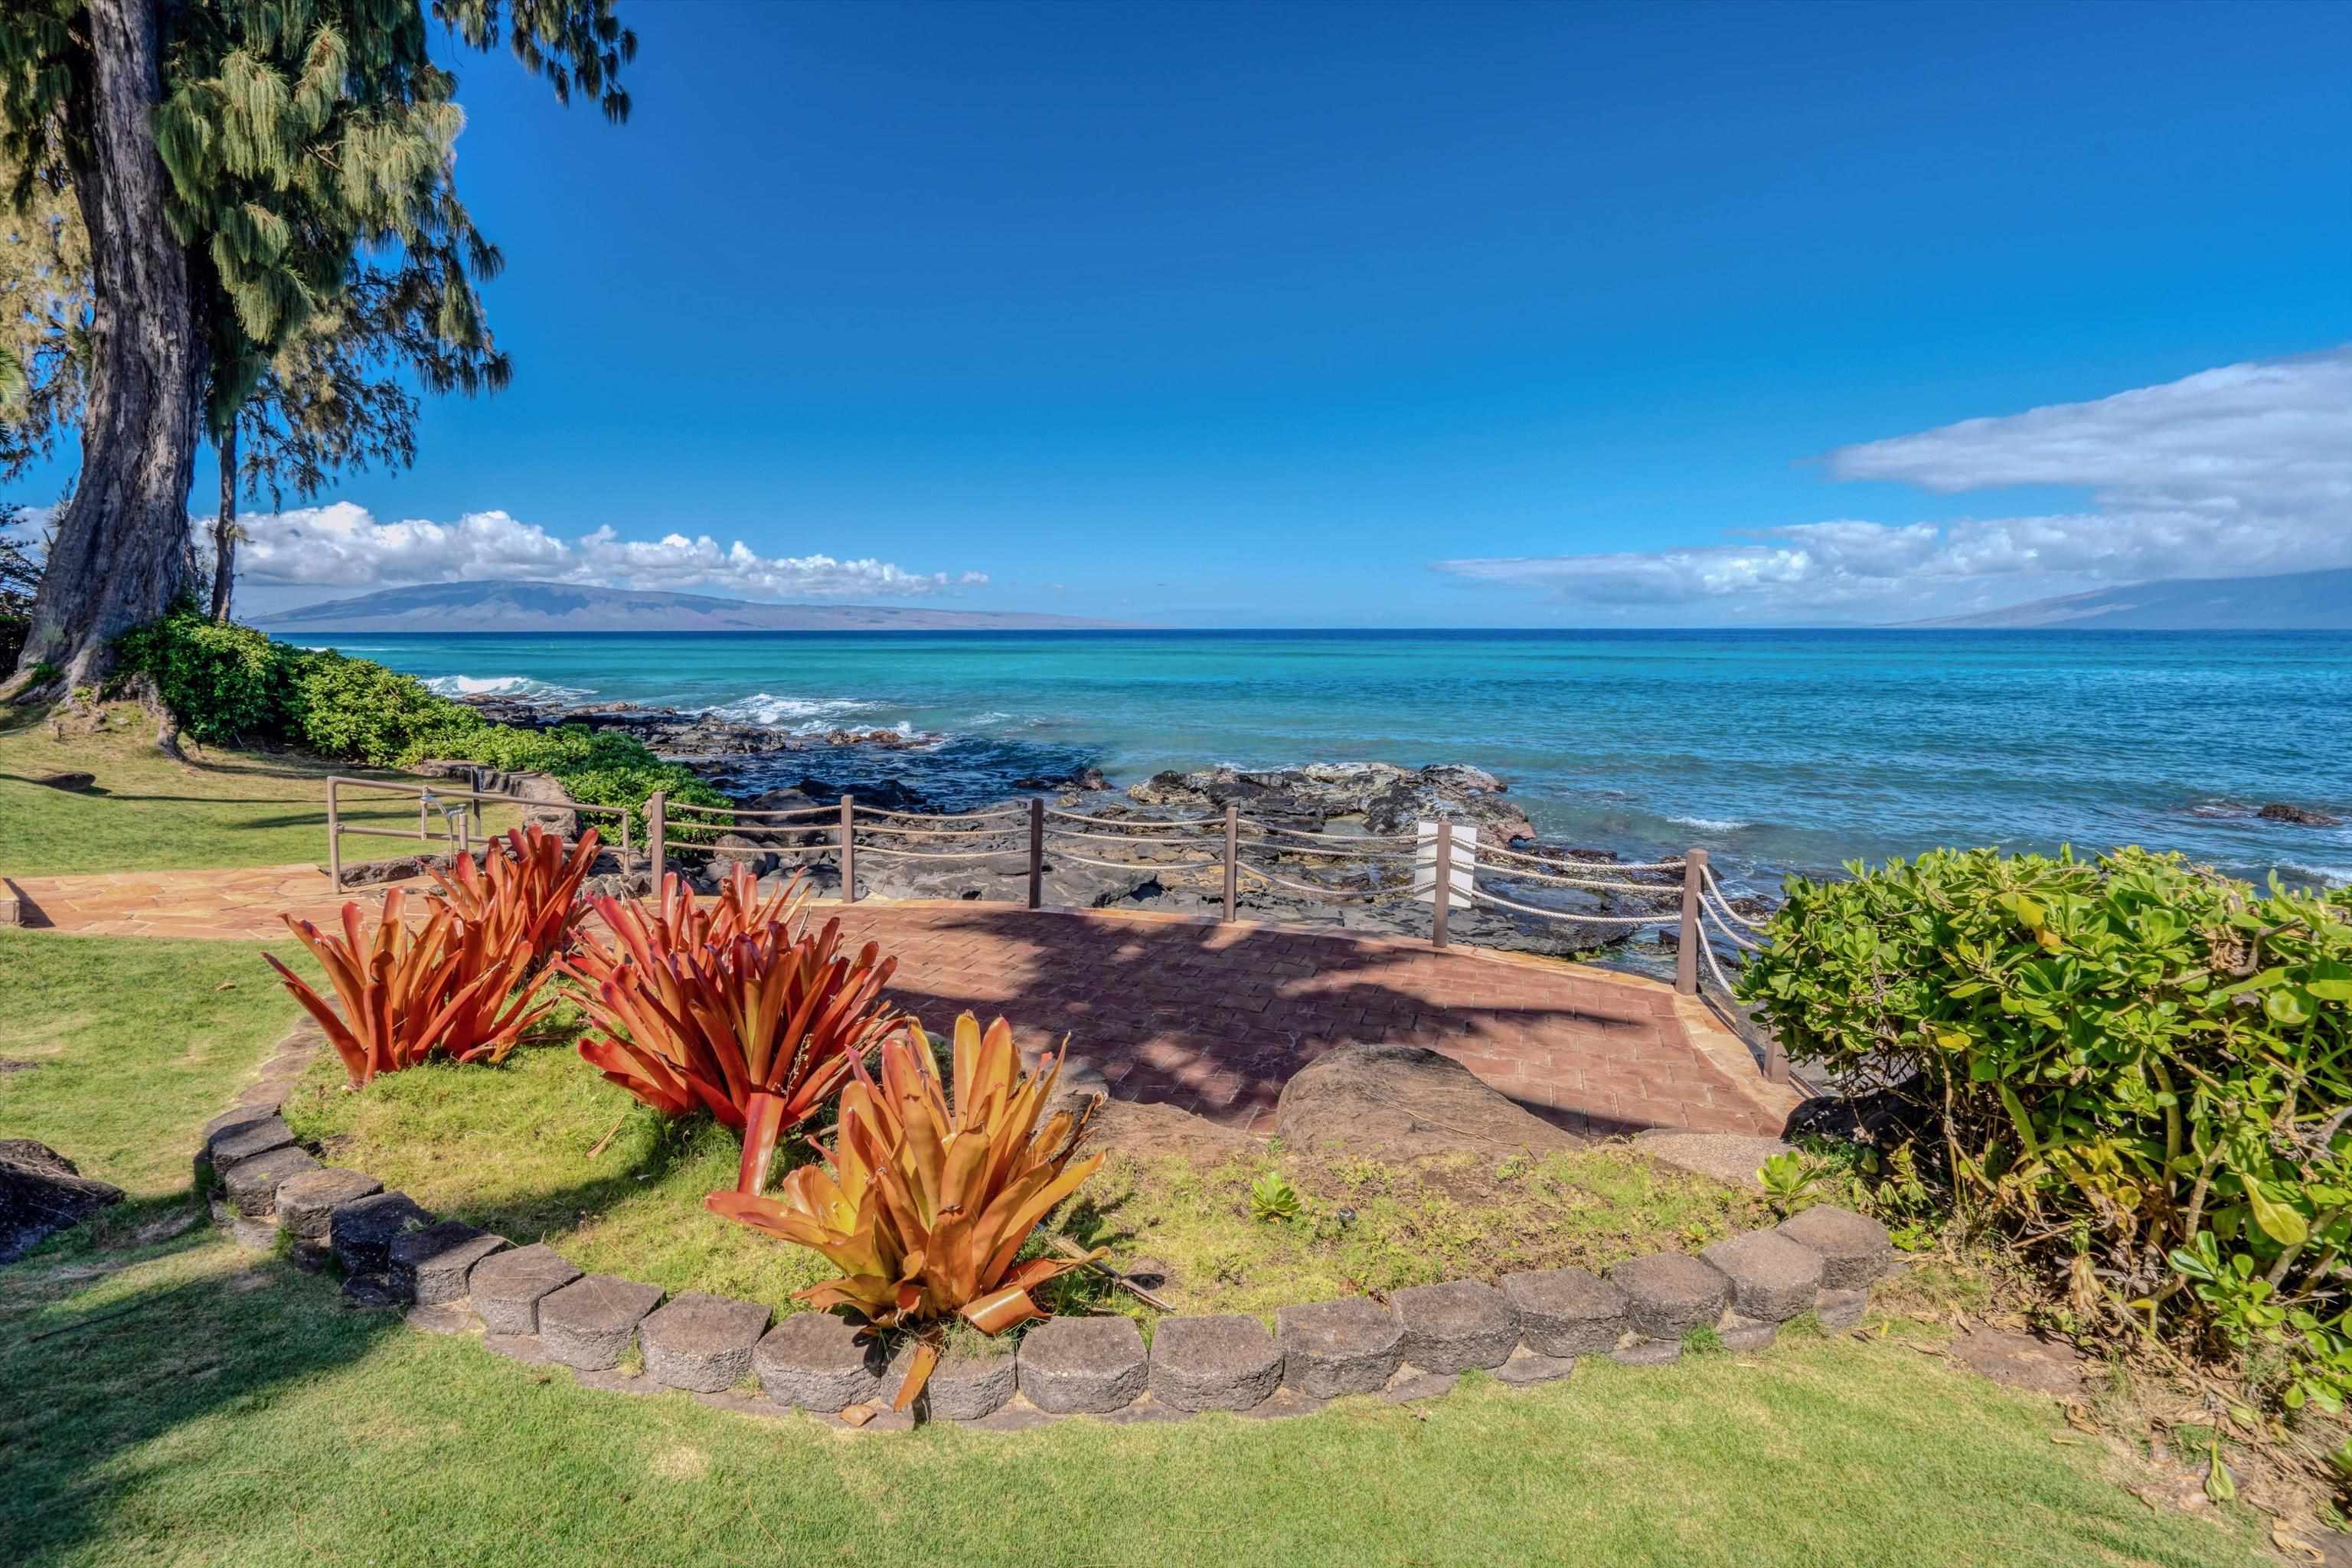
(1455, 1326)
(2301, 815)
(1567, 1311)
(507, 1288)
(1164, 1132)
(815, 1361)
(588, 1324)
(1854, 1248)
(1668, 1294)
(1213, 1363)
(1731, 1158)
(1400, 1103)
(74, 782)
(1083, 1365)
(701, 1342)
(42, 1193)
(1330, 1348)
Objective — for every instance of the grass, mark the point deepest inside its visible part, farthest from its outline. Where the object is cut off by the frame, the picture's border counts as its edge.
(542, 1149)
(115, 1053)
(180, 1401)
(197, 1405)
(146, 813)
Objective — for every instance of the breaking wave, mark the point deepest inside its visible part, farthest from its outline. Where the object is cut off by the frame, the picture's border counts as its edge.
(504, 686)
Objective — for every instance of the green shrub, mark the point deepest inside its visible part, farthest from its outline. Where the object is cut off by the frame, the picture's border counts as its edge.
(228, 683)
(223, 682)
(2137, 1066)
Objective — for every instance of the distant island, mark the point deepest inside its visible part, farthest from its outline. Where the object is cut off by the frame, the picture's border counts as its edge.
(515, 605)
(2289, 602)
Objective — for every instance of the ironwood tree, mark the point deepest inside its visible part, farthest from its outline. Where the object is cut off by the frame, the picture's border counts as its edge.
(243, 170)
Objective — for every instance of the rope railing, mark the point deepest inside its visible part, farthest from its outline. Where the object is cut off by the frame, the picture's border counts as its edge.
(461, 811)
(1577, 917)
(1706, 875)
(1136, 821)
(1590, 865)
(1642, 890)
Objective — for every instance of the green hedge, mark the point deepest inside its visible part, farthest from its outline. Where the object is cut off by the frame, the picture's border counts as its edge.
(229, 684)
(2137, 1066)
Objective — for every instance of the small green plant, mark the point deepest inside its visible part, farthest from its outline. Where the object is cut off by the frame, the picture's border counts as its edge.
(1787, 1178)
(1702, 1340)
(1272, 1198)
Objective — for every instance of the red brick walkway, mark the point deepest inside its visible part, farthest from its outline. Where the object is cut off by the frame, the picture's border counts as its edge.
(1214, 1018)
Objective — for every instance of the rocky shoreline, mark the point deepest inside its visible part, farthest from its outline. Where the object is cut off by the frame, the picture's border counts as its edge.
(1319, 807)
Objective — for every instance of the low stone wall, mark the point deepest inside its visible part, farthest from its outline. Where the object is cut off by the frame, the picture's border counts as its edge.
(532, 1304)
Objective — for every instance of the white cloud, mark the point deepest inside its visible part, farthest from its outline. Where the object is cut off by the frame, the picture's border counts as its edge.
(343, 545)
(2231, 472)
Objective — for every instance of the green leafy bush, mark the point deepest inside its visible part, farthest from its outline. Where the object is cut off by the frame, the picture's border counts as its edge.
(2136, 1065)
(228, 683)
(223, 682)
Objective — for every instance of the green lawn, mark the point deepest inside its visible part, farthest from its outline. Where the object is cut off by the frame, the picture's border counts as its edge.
(542, 1149)
(178, 1401)
(223, 808)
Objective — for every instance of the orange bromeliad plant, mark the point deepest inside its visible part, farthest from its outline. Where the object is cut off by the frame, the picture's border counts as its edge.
(924, 1206)
(451, 988)
(530, 889)
(731, 1010)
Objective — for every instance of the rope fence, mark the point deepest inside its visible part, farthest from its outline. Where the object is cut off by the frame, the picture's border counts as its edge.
(1450, 869)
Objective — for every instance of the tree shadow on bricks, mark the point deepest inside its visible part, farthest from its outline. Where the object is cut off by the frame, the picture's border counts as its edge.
(1215, 1019)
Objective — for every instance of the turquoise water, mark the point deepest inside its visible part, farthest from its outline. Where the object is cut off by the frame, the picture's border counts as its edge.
(1777, 751)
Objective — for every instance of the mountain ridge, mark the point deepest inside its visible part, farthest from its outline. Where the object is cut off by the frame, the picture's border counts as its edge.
(523, 605)
(2284, 602)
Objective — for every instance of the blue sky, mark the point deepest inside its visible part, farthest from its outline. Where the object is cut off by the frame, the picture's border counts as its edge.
(1255, 315)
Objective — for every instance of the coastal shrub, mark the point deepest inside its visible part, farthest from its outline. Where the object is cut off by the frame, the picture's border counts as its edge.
(223, 682)
(2138, 1068)
(228, 683)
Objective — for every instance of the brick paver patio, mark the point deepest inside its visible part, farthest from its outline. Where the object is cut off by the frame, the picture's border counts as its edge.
(1212, 1018)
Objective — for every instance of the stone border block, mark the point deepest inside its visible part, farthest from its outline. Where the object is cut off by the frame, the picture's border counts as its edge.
(1740, 1332)
(507, 1287)
(589, 1324)
(1668, 1294)
(1352, 1345)
(815, 1360)
(236, 1136)
(362, 1232)
(251, 1185)
(1648, 1352)
(701, 1342)
(1772, 1277)
(961, 1387)
(1567, 1311)
(306, 1202)
(1226, 1363)
(433, 1264)
(1082, 1366)
(1841, 1308)
(1854, 1251)
(1458, 1326)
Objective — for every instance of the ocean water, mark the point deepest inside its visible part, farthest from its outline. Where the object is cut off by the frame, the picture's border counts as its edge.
(1776, 751)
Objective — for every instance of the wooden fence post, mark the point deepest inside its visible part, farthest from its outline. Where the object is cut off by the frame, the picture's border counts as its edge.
(1037, 852)
(1686, 944)
(1442, 888)
(657, 834)
(848, 849)
(335, 839)
(1232, 858)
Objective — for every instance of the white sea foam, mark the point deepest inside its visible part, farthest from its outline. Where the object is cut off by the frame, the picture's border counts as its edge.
(1711, 824)
(504, 686)
(800, 713)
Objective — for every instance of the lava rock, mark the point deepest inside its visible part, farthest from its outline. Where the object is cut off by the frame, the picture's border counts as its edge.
(815, 1360)
(1567, 1311)
(961, 1387)
(1226, 1363)
(1352, 1345)
(362, 1232)
(251, 1185)
(434, 1264)
(1841, 1308)
(2301, 815)
(589, 1323)
(1855, 1249)
(1668, 1294)
(242, 1140)
(306, 1202)
(42, 1193)
(73, 782)
(1400, 1103)
(1772, 1277)
(507, 1287)
(1455, 1326)
(701, 1342)
(1083, 1365)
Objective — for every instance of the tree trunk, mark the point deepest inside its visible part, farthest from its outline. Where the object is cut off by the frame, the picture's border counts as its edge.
(121, 550)
(225, 527)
